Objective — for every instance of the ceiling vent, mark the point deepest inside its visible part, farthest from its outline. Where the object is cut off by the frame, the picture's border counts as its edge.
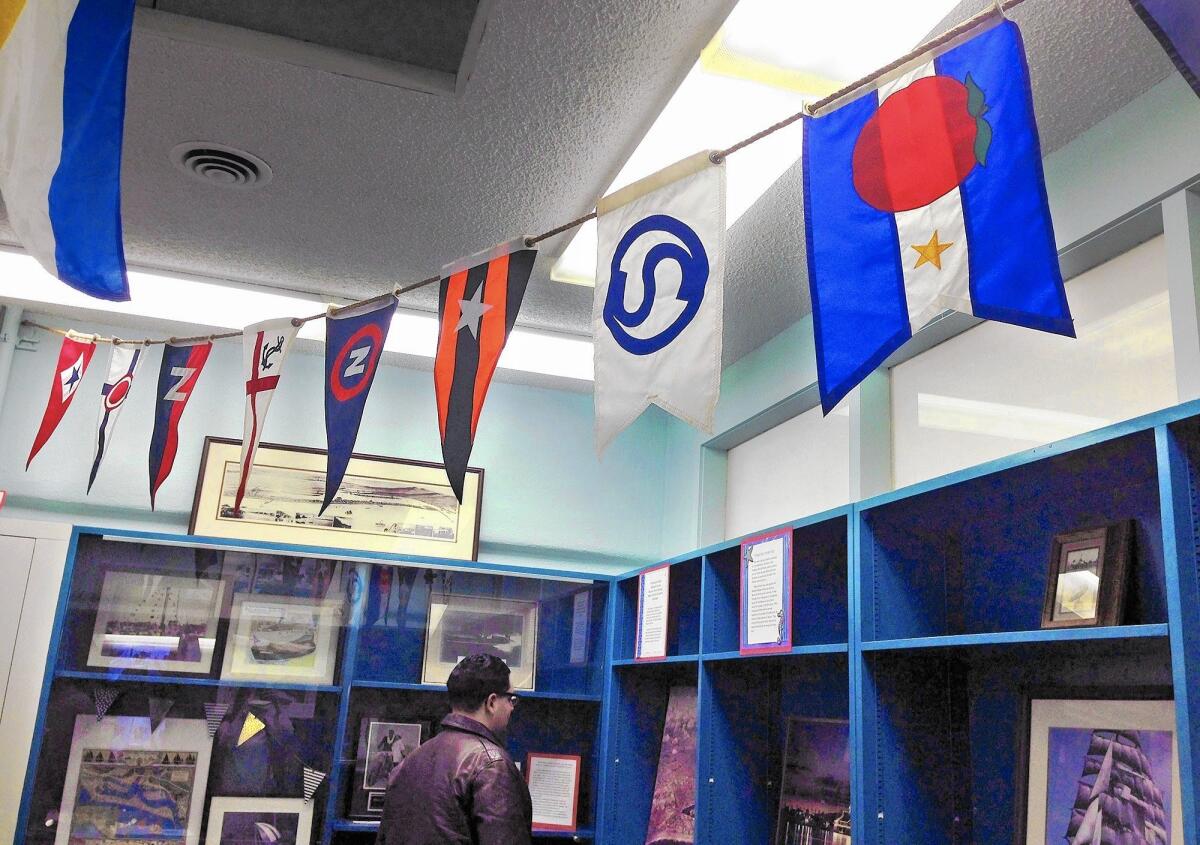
(218, 164)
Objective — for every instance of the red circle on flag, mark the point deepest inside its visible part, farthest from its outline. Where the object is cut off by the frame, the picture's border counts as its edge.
(337, 385)
(918, 146)
(117, 393)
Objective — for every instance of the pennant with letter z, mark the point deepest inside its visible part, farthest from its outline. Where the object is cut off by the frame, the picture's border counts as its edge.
(73, 358)
(264, 349)
(660, 270)
(177, 376)
(353, 349)
(926, 196)
(480, 298)
(122, 367)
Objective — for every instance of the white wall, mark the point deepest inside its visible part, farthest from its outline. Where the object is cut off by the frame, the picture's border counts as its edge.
(997, 389)
(798, 468)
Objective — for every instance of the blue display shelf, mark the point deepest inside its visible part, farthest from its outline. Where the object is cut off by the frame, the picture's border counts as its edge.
(378, 650)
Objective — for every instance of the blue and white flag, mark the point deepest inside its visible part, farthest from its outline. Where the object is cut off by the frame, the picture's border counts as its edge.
(924, 196)
(122, 367)
(1176, 25)
(660, 270)
(353, 350)
(62, 114)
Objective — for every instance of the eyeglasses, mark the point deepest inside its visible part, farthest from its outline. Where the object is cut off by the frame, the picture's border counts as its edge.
(512, 697)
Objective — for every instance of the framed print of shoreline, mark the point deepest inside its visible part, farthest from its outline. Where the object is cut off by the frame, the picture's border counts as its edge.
(1085, 584)
(382, 745)
(119, 758)
(461, 625)
(814, 799)
(1100, 769)
(162, 623)
(282, 638)
(384, 504)
(248, 821)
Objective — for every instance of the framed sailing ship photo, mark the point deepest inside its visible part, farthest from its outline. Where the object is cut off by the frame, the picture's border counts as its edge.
(384, 504)
(245, 821)
(1085, 584)
(1101, 770)
(161, 623)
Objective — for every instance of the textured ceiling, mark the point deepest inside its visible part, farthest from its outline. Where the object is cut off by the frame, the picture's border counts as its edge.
(375, 184)
(427, 33)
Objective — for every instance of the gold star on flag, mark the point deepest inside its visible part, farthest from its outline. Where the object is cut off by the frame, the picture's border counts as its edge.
(931, 253)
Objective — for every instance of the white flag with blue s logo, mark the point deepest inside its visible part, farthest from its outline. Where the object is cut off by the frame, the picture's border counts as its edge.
(660, 270)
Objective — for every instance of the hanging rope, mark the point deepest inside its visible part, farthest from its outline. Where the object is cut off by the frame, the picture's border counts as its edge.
(999, 7)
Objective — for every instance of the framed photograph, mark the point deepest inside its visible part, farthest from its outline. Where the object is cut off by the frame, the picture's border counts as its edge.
(1100, 770)
(382, 746)
(252, 821)
(463, 625)
(160, 623)
(1085, 585)
(814, 796)
(384, 504)
(126, 783)
(553, 781)
(282, 638)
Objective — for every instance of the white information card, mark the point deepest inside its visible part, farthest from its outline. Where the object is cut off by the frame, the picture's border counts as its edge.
(554, 787)
(654, 589)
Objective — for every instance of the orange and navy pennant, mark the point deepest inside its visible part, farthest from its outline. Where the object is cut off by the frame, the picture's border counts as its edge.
(479, 302)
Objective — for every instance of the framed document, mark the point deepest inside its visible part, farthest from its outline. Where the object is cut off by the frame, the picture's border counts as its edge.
(239, 821)
(122, 777)
(159, 623)
(581, 627)
(554, 787)
(766, 594)
(459, 626)
(1101, 770)
(384, 504)
(654, 598)
(282, 638)
(1085, 585)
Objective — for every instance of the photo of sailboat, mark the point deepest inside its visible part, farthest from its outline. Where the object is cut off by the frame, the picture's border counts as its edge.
(1121, 794)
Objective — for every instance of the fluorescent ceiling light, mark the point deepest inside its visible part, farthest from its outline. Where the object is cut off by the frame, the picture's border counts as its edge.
(228, 307)
(769, 58)
(994, 419)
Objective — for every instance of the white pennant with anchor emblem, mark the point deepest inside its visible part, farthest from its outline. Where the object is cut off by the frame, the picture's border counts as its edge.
(264, 348)
(660, 270)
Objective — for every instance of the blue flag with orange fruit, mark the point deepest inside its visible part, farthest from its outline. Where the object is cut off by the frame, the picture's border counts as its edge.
(926, 196)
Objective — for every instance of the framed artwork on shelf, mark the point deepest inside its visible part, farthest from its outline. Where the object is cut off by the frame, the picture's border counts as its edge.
(553, 781)
(1085, 584)
(160, 623)
(814, 797)
(673, 805)
(382, 746)
(249, 821)
(384, 504)
(122, 777)
(462, 625)
(283, 639)
(1100, 770)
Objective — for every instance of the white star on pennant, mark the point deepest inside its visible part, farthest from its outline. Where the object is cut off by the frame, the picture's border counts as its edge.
(471, 311)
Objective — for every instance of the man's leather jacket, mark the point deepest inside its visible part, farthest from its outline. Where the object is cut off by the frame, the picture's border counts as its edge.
(459, 788)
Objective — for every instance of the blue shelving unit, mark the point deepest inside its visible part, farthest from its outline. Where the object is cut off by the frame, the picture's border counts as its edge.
(378, 667)
(917, 619)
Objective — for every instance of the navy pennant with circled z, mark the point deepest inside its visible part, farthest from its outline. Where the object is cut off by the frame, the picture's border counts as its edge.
(353, 347)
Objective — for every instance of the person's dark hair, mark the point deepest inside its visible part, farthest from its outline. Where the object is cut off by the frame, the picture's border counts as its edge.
(474, 679)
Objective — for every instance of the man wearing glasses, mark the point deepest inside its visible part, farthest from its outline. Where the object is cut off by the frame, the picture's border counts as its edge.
(461, 787)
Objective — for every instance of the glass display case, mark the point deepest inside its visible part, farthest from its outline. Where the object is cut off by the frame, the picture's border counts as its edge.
(196, 692)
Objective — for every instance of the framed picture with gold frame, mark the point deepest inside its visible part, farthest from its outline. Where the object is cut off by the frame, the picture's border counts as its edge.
(384, 504)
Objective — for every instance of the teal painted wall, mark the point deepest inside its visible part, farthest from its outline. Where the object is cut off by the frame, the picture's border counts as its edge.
(548, 500)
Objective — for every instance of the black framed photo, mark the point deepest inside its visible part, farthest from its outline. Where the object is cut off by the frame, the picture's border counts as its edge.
(1086, 580)
(382, 746)
(384, 504)
(1099, 766)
